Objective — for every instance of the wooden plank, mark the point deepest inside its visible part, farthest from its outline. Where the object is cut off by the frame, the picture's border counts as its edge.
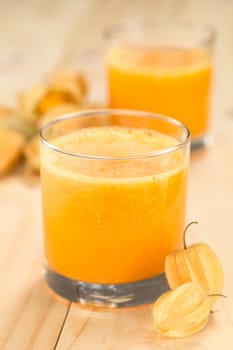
(31, 317)
(132, 329)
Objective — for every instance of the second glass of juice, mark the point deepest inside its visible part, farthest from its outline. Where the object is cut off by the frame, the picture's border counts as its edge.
(114, 196)
(163, 67)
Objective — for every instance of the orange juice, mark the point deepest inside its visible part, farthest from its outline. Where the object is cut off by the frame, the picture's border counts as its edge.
(173, 82)
(112, 221)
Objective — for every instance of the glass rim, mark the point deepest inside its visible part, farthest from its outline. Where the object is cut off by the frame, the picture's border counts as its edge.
(106, 111)
(112, 31)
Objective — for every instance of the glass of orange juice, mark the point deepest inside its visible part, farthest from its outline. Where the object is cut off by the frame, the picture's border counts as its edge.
(163, 67)
(114, 193)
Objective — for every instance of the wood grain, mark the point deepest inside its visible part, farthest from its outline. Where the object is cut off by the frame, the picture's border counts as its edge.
(31, 317)
(132, 329)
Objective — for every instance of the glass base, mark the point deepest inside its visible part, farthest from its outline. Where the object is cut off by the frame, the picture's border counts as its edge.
(110, 295)
(201, 142)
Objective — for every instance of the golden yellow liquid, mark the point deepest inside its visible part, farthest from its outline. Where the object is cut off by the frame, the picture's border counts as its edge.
(112, 221)
(169, 81)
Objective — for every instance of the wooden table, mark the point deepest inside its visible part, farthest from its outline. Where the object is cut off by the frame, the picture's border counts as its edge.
(31, 317)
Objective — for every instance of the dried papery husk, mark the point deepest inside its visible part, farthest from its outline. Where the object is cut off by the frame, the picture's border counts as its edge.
(181, 312)
(11, 148)
(41, 98)
(66, 92)
(29, 100)
(66, 75)
(15, 122)
(197, 263)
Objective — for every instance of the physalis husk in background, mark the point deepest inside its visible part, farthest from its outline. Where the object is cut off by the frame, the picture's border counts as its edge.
(181, 312)
(66, 92)
(29, 101)
(11, 147)
(62, 88)
(77, 78)
(15, 122)
(197, 263)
